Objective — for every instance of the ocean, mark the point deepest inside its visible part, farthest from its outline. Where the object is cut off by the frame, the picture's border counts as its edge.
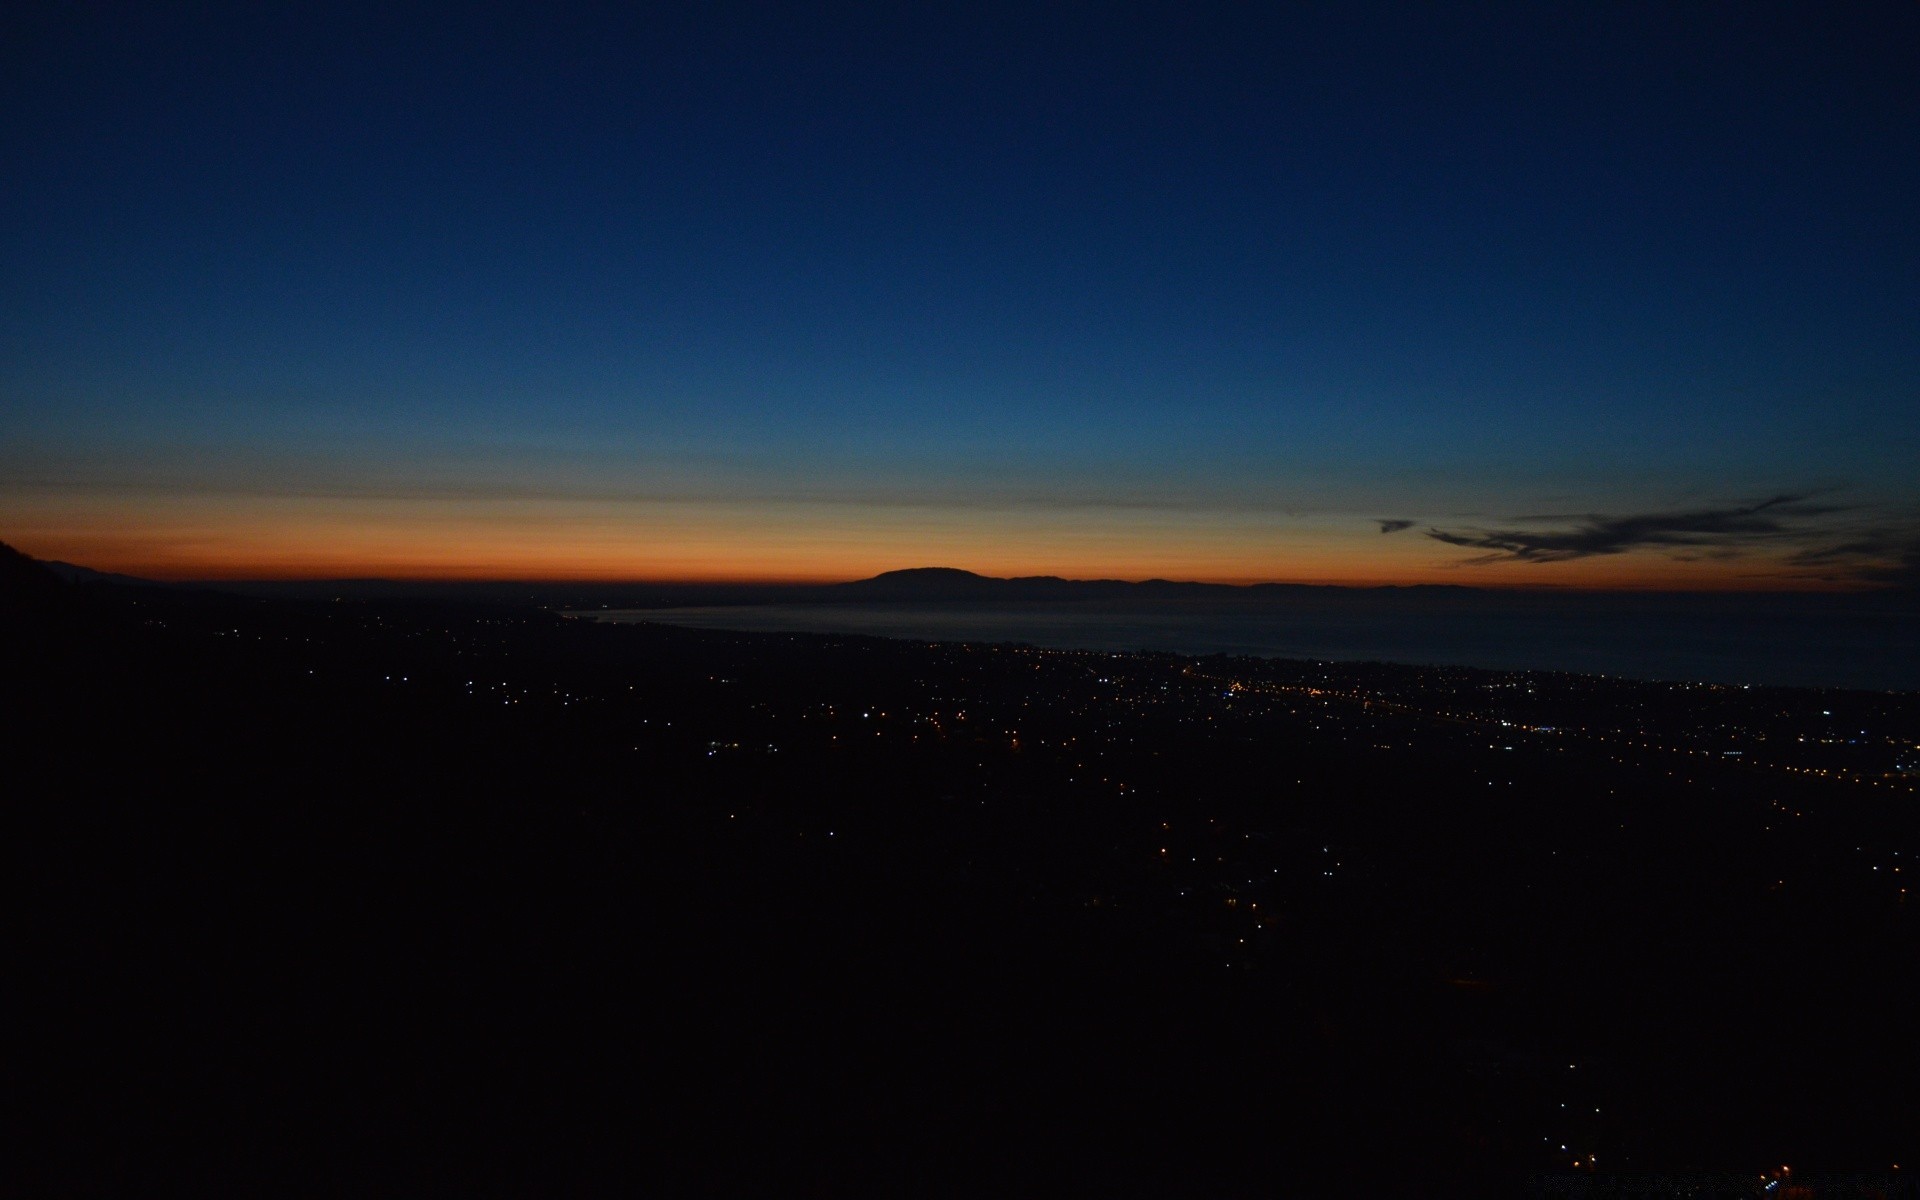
(1853, 641)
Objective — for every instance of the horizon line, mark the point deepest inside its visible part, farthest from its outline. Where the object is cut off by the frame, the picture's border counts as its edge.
(1776, 586)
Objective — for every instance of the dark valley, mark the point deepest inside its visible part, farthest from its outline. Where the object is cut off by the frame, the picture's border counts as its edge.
(402, 896)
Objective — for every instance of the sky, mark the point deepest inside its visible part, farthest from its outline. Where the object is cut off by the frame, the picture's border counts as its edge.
(1546, 295)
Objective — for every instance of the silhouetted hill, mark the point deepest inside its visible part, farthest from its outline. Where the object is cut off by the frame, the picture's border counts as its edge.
(25, 582)
(946, 584)
(921, 583)
(950, 584)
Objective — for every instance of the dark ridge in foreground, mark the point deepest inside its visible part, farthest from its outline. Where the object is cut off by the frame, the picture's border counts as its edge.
(323, 897)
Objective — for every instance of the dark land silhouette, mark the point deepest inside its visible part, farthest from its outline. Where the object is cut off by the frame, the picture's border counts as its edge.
(370, 895)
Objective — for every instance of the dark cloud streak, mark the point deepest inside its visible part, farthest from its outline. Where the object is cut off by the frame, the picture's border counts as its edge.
(1888, 556)
(1802, 530)
(1774, 517)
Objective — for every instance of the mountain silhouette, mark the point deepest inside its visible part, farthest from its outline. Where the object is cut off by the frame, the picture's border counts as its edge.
(26, 583)
(74, 573)
(947, 584)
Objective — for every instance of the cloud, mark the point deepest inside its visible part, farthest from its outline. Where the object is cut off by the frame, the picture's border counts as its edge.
(1394, 524)
(1886, 555)
(1784, 521)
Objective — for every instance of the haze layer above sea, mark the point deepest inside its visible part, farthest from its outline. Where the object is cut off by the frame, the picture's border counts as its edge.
(1869, 642)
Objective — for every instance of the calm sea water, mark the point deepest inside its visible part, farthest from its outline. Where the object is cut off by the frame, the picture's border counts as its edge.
(1814, 641)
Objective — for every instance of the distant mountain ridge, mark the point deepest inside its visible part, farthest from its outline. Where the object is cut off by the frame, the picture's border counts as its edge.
(74, 573)
(953, 584)
(910, 584)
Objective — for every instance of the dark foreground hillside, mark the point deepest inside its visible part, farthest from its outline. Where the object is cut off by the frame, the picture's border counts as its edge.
(374, 898)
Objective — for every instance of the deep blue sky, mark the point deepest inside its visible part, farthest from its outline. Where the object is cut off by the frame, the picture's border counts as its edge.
(780, 290)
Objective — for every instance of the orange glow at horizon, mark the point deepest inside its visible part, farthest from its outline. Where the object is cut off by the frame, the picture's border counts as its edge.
(202, 538)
